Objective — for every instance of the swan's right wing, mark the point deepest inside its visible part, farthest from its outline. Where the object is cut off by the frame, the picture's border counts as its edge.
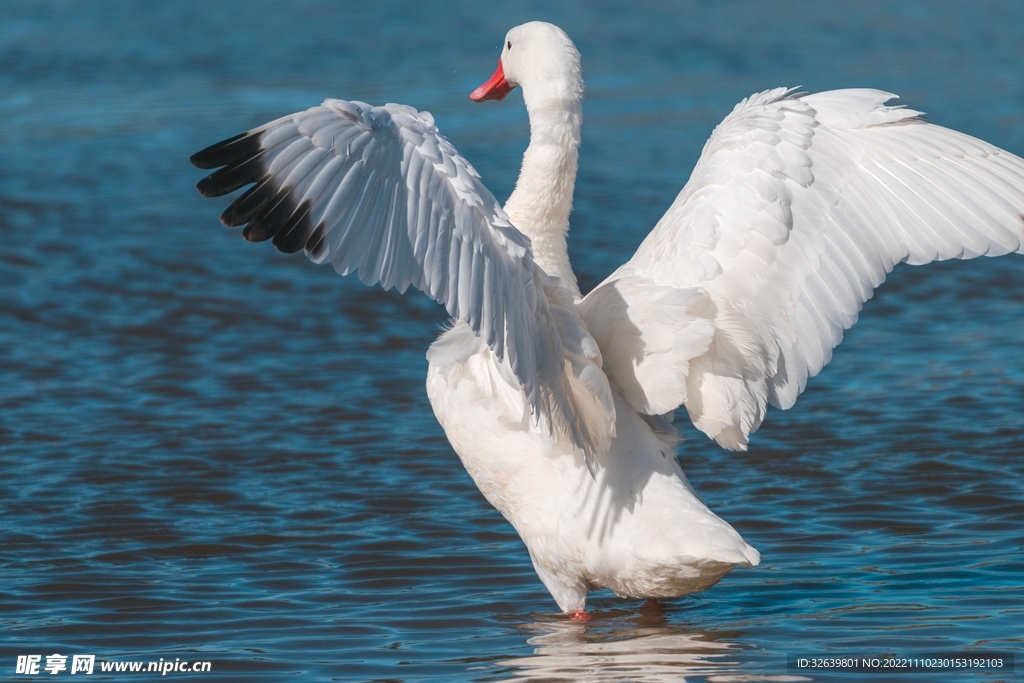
(797, 209)
(379, 191)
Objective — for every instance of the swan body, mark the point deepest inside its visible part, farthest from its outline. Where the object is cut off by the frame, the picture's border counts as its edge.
(634, 526)
(560, 406)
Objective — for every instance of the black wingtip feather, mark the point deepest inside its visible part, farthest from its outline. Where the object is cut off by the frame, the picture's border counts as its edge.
(292, 236)
(230, 178)
(271, 218)
(226, 152)
(246, 207)
(315, 241)
(266, 210)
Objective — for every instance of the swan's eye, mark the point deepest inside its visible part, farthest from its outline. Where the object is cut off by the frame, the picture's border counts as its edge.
(510, 44)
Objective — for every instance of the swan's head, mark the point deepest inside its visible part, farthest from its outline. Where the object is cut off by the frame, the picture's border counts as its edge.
(539, 58)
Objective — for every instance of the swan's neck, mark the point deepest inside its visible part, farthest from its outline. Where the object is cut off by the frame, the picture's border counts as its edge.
(542, 200)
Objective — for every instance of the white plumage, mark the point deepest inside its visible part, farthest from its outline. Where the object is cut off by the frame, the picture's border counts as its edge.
(560, 406)
(797, 209)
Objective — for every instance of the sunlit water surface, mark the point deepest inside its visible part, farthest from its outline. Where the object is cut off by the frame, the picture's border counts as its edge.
(211, 451)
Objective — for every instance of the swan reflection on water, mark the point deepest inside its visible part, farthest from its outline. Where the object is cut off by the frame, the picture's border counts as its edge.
(647, 649)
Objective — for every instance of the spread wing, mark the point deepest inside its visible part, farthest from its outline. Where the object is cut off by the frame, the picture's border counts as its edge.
(796, 211)
(379, 191)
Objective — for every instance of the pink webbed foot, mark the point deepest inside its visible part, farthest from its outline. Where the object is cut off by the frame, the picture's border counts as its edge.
(579, 615)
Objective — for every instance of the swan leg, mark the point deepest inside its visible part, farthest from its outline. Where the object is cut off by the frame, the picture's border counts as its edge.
(571, 595)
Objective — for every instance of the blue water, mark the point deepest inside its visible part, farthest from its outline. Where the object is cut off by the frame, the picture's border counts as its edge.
(211, 451)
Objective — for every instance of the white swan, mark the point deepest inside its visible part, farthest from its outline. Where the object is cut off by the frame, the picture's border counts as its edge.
(560, 406)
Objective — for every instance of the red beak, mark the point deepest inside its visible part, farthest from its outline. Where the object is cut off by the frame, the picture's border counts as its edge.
(494, 89)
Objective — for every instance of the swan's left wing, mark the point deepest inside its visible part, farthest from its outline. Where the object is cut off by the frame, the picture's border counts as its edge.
(379, 191)
(796, 211)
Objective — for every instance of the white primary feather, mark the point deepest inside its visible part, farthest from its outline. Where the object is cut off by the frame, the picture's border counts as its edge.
(797, 209)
